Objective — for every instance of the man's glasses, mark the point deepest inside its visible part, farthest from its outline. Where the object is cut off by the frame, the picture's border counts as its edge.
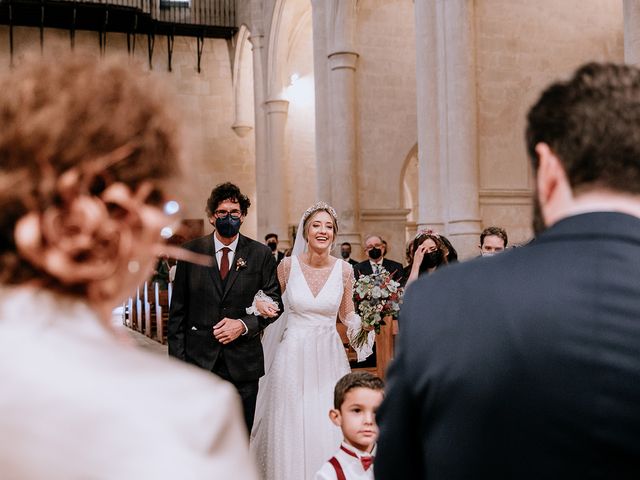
(235, 214)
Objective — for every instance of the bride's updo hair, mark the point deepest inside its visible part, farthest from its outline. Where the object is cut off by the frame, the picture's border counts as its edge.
(311, 212)
(84, 144)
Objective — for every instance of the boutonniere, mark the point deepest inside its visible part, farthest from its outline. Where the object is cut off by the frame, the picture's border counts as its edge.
(240, 263)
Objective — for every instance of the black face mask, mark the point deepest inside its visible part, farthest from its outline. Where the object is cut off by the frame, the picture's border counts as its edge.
(431, 260)
(272, 246)
(345, 254)
(228, 227)
(375, 253)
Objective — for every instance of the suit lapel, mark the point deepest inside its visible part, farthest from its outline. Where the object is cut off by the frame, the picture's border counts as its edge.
(214, 271)
(367, 268)
(241, 252)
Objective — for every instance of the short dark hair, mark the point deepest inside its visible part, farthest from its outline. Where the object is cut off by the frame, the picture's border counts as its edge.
(592, 123)
(270, 235)
(345, 244)
(497, 231)
(354, 380)
(227, 191)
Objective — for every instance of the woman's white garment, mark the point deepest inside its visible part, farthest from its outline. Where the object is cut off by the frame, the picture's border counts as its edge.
(292, 435)
(76, 403)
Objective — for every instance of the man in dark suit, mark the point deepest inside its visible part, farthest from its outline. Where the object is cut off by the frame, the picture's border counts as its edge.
(271, 239)
(208, 322)
(345, 252)
(527, 365)
(374, 248)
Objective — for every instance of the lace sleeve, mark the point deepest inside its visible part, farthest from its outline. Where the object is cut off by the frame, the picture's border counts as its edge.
(351, 319)
(346, 304)
(283, 272)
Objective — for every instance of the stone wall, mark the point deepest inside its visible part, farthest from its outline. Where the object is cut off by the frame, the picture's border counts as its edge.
(214, 153)
(521, 47)
(386, 115)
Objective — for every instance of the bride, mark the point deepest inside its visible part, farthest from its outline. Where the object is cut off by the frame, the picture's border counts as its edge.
(304, 357)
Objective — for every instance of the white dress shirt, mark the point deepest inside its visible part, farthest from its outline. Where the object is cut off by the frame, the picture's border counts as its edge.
(218, 246)
(376, 267)
(351, 466)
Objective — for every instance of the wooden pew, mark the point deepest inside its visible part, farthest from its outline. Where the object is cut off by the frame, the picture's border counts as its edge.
(161, 312)
(384, 346)
(147, 311)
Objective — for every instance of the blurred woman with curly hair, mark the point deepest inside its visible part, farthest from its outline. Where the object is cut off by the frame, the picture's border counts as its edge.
(85, 148)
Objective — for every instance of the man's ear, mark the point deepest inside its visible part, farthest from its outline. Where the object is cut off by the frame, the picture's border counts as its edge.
(555, 195)
(551, 175)
(335, 417)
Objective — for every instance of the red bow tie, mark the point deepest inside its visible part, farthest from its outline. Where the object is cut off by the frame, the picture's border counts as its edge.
(366, 461)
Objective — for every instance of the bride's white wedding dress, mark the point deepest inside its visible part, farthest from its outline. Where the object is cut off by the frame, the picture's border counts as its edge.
(292, 435)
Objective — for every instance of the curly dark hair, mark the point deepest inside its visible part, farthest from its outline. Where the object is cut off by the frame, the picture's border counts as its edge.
(592, 123)
(227, 191)
(354, 380)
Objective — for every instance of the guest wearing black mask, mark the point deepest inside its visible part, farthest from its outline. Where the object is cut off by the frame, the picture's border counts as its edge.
(430, 253)
(376, 262)
(209, 326)
(271, 239)
(345, 251)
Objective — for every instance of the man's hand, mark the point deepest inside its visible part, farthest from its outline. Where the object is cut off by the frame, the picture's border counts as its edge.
(227, 330)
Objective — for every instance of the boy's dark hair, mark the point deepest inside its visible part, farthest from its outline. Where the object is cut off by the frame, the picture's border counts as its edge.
(354, 380)
(227, 191)
(345, 244)
(270, 235)
(592, 123)
(496, 231)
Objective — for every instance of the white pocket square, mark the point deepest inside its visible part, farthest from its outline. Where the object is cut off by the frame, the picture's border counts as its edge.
(194, 328)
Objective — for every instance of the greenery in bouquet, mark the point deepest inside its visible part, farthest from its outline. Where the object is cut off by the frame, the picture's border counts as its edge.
(376, 296)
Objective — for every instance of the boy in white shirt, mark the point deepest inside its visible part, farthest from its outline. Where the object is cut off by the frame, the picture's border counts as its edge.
(356, 399)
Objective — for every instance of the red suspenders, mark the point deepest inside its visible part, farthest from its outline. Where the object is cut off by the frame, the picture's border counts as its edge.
(338, 468)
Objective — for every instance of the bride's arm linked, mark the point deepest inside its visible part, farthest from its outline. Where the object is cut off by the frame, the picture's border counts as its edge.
(347, 314)
(262, 304)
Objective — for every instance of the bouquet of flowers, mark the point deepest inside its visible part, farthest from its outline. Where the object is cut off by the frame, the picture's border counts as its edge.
(376, 296)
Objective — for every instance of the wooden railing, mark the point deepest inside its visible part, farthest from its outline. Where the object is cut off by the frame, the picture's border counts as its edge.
(199, 18)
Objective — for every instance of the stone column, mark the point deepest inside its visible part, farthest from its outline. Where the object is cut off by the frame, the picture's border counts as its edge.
(275, 208)
(430, 208)
(342, 126)
(321, 84)
(632, 31)
(262, 201)
(463, 205)
(343, 132)
(447, 143)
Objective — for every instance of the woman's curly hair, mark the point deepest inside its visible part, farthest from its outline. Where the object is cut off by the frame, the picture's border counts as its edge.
(71, 128)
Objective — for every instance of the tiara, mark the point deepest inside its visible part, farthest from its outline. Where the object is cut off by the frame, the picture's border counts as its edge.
(317, 207)
(427, 232)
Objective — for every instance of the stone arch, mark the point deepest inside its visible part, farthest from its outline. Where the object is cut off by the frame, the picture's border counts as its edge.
(242, 78)
(284, 22)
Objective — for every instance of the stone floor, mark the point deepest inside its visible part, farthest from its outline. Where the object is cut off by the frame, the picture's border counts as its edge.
(141, 340)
